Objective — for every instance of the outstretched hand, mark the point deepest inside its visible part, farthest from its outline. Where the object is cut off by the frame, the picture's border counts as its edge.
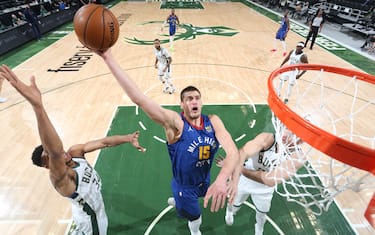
(135, 142)
(30, 92)
(218, 192)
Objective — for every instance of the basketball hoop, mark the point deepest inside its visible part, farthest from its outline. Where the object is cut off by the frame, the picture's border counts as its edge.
(339, 103)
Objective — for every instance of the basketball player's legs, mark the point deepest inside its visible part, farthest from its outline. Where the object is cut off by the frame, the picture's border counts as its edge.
(232, 209)
(187, 206)
(280, 35)
(308, 37)
(262, 204)
(283, 43)
(315, 31)
(165, 78)
(291, 82)
(283, 77)
(172, 32)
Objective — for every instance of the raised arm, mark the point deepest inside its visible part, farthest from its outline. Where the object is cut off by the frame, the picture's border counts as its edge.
(218, 190)
(286, 58)
(170, 120)
(261, 142)
(81, 149)
(283, 172)
(50, 140)
(304, 60)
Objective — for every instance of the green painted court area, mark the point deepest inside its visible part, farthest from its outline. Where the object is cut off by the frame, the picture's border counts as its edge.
(181, 5)
(136, 185)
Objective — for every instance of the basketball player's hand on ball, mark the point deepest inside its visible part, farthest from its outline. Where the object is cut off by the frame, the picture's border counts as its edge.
(31, 92)
(135, 142)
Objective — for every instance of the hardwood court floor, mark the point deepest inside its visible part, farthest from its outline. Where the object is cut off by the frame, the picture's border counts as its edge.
(81, 103)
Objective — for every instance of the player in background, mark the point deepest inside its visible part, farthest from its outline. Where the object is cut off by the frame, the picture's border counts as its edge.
(296, 56)
(173, 21)
(282, 32)
(163, 64)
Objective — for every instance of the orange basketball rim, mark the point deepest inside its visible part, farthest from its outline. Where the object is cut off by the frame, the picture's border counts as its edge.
(350, 153)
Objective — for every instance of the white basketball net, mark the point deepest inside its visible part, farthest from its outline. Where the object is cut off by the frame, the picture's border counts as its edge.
(337, 104)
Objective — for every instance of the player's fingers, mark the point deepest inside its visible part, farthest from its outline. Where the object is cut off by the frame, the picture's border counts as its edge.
(207, 197)
(213, 203)
(219, 202)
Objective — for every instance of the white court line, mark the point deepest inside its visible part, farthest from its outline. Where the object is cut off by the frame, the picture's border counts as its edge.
(64, 221)
(20, 221)
(253, 123)
(143, 126)
(240, 138)
(159, 139)
(168, 208)
(156, 220)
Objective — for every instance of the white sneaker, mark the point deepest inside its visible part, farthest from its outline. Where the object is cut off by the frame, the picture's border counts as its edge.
(171, 201)
(3, 99)
(229, 217)
(171, 90)
(166, 89)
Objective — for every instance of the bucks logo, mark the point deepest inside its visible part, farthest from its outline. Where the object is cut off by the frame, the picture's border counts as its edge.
(185, 32)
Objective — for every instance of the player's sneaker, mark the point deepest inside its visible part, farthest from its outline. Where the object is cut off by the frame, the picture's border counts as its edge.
(171, 90)
(229, 217)
(284, 54)
(273, 50)
(171, 201)
(3, 99)
(166, 89)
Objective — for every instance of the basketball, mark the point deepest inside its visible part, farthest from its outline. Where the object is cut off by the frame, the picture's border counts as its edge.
(96, 27)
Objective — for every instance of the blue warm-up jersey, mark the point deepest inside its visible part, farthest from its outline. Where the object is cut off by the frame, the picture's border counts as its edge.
(192, 155)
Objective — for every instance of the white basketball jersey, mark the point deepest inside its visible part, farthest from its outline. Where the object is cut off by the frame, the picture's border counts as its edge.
(87, 203)
(294, 58)
(162, 55)
(263, 161)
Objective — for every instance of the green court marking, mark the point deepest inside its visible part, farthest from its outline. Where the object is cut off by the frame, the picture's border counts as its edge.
(184, 32)
(136, 185)
(181, 4)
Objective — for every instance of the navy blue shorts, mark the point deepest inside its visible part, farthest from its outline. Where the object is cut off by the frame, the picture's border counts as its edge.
(172, 31)
(281, 34)
(187, 203)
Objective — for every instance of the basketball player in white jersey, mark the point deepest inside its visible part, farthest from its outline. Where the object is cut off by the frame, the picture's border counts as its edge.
(296, 56)
(261, 156)
(70, 174)
(163, 63)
